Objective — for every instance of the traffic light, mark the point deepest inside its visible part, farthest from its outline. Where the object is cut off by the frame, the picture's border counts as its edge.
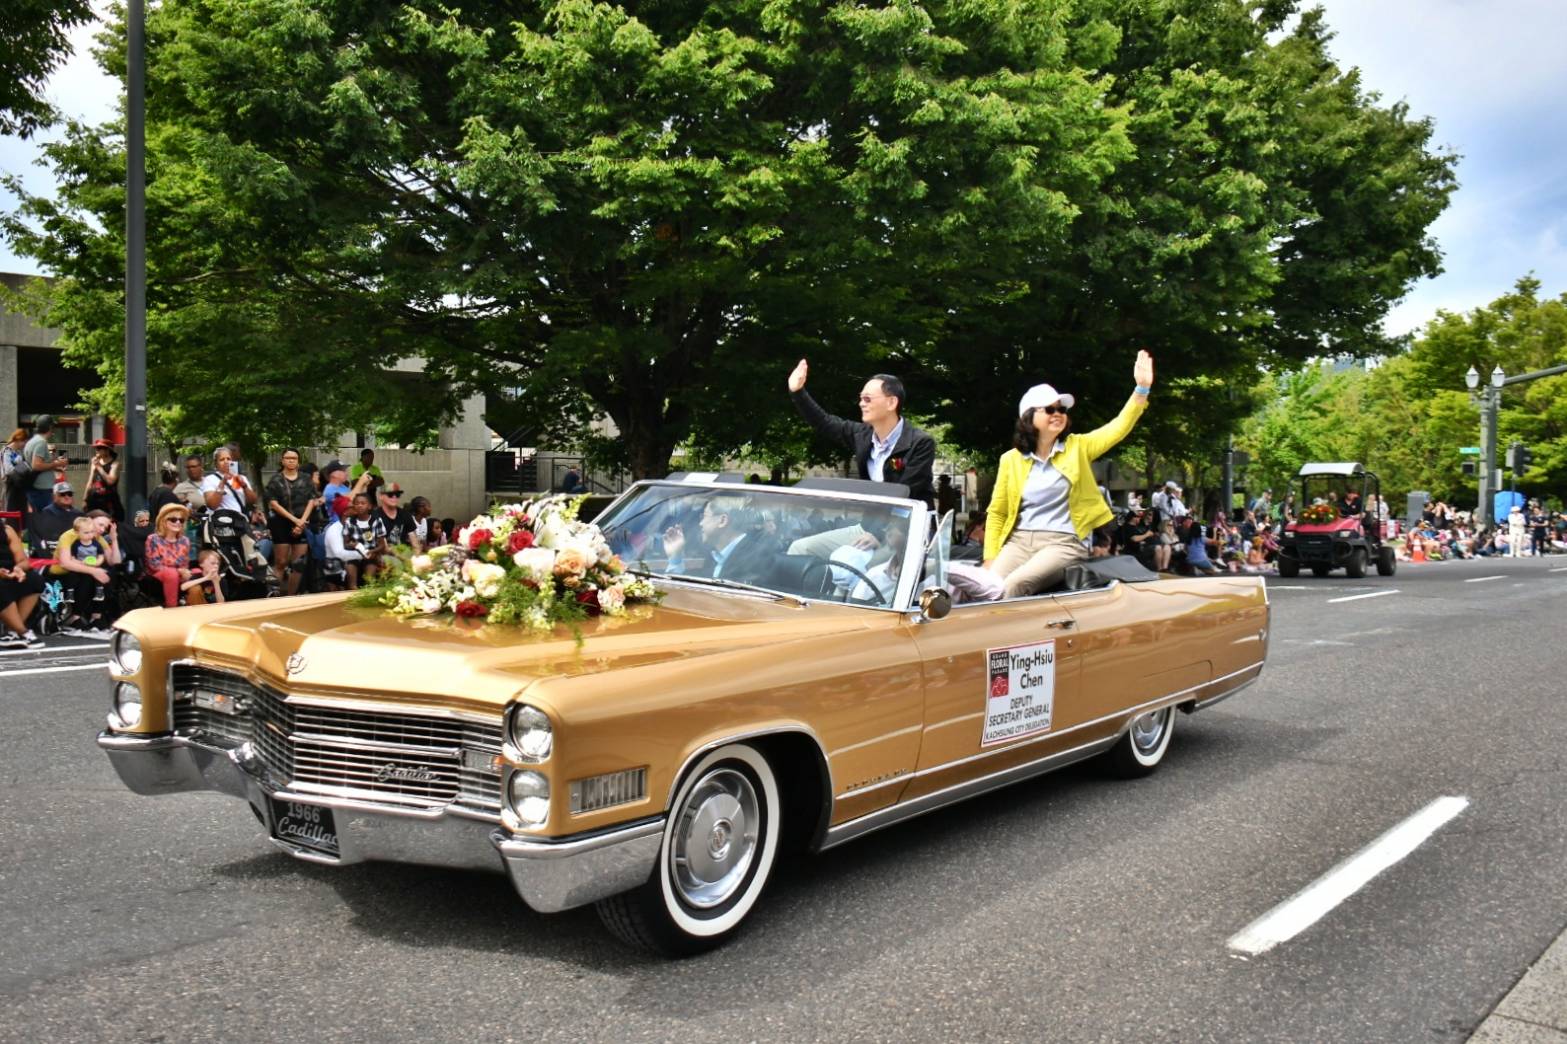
(1519, 458)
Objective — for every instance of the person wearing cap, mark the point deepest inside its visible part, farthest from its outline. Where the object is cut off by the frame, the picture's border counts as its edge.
(44, 461)
(103, 480)
(886, 448)
(1046, 503)
(394, 518)
(168, 552)
(1168, 501)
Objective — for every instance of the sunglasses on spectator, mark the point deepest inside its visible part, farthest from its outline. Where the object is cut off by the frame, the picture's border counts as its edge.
(391, 492)
(1056, 409)
(65, 494)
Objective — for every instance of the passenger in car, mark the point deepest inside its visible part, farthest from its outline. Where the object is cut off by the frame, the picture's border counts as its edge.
(1046, 502)
(737, 548)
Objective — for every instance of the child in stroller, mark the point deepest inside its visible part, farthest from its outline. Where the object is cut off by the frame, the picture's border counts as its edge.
(243, 571)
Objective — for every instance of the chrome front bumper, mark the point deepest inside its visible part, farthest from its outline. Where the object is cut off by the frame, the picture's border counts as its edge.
(550, 874)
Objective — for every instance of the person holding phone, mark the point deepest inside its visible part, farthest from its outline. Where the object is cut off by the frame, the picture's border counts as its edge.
(226, 487)
(103, 480)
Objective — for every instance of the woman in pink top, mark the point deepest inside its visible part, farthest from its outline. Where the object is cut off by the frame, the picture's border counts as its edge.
(168, 552)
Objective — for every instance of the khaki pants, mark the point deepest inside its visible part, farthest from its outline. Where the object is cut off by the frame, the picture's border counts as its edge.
(1034, 560)
(822, 545)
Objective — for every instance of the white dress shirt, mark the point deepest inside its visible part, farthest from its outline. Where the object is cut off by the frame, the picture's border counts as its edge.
(881, 449)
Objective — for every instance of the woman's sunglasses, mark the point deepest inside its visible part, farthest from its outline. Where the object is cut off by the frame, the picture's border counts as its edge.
(1056, 409)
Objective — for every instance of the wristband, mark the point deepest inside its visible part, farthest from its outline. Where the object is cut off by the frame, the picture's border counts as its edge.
(1142, 390)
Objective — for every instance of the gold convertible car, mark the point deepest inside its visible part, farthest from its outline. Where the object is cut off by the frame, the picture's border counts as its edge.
(805, 679)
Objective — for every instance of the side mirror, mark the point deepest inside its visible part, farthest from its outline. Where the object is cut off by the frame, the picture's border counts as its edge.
(935, 603)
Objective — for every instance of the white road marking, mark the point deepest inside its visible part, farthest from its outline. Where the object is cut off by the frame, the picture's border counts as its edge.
(52, 670)
(1563, 569)
(1373, 594)
(1483, 579)
(1299, 587)
(1316, 900)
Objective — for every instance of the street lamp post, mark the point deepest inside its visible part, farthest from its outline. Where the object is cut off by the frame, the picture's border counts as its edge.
(1490, 397)
(135, 257)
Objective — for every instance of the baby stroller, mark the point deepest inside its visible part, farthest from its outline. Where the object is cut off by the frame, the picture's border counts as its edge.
(245, 573)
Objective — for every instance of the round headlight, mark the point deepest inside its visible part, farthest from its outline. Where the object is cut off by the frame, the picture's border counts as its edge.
(127, 705)
(531, 733)
(529, 796)
(125, 653)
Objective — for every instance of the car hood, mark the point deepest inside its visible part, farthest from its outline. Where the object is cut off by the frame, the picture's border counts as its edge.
(321, 645)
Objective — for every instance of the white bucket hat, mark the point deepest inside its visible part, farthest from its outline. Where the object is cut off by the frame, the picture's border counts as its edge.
(1042, 395)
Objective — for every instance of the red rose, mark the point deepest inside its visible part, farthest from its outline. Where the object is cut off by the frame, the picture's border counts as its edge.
(520, 539)
(590, 598)
(478, 538)
(471, 608)
(896, 463)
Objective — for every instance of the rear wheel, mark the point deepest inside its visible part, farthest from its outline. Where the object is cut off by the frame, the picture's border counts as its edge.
(1320, 569)
(1289, 567)
(1355, 568)
(1142, 748)
(1387, 562)
(719, 846)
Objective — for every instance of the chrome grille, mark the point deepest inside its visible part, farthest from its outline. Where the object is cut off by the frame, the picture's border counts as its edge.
(372, 755)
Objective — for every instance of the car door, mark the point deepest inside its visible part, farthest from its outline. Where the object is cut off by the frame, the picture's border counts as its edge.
(1001, 689)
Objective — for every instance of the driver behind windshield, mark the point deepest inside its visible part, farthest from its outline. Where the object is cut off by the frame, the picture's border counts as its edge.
(730, 530)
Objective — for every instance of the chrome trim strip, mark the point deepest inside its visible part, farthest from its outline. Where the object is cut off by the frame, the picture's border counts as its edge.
(740, 737)
(564, 848)
(885, 817)
(1210, 701)
(418, 710)
(377, 746)
(1131, 711)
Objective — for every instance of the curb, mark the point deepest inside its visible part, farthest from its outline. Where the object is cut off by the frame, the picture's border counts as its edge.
(1535, 1010)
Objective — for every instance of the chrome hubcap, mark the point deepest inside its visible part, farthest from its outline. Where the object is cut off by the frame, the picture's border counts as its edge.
(1148, 730)
(715, 839)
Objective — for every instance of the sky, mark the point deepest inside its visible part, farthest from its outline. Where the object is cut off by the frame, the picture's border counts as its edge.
(1487, 72)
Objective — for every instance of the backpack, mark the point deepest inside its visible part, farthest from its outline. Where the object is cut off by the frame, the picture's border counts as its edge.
(18, 470)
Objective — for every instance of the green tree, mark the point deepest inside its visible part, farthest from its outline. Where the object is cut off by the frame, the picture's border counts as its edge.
(33, 44)
(650, 215)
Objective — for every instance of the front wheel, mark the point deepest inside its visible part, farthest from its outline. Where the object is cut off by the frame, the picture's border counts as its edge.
(1142, 748)
(719, 846)
(1355, 568)
(1387, 562)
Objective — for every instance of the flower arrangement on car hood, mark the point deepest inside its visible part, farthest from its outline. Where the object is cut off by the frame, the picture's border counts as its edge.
(532, 564)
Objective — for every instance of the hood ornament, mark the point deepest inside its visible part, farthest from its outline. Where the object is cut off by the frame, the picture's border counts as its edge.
(295, 664)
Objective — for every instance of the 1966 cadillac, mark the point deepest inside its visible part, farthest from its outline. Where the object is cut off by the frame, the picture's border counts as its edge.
(658, 762)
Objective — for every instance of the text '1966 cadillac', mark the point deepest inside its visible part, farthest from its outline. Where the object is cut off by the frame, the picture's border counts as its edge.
(802, 679)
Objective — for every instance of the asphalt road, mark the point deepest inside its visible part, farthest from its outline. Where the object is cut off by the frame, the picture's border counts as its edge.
(1068, 908)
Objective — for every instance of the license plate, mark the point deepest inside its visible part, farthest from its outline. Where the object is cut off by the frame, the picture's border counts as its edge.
(308, 826)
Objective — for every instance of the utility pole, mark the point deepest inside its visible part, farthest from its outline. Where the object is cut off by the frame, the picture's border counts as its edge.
(1228, 492)
(136, 256)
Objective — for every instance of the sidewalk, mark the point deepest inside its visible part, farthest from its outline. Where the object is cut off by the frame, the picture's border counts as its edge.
(1535, 1010)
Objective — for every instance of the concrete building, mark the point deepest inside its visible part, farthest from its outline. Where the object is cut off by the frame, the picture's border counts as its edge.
(34, 380)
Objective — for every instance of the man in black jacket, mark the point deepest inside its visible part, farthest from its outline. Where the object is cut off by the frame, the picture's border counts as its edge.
(886, 448)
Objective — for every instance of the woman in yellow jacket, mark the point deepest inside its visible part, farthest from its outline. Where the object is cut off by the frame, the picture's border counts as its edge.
(1046, 502)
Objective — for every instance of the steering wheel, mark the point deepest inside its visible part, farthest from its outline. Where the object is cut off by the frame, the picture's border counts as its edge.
(883, 599)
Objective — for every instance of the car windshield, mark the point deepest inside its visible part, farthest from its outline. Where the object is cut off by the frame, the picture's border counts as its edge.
(1331, 489)
(809, 545)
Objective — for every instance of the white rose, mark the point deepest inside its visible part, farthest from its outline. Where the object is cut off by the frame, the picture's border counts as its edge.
(537, 562)
(486, 579)
(550, 531)
(422, 564)
(612, 600)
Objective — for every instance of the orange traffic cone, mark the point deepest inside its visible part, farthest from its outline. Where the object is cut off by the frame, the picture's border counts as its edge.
(1418, 552)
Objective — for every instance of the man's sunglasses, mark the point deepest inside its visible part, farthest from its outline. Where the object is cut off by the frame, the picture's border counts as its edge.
(67, 495)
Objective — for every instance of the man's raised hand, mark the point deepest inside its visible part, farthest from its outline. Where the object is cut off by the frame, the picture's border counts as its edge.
(797, 378)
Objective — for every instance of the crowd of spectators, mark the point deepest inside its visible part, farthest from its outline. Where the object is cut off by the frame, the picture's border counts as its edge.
(207, 534)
